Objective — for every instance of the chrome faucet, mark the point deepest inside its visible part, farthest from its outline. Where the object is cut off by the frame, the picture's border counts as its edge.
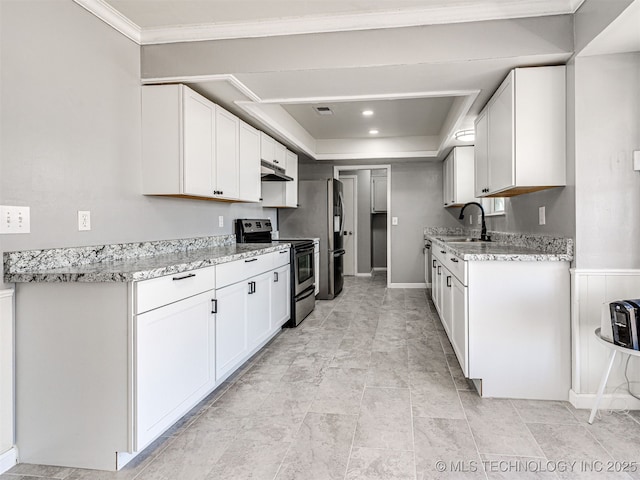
(483, 234)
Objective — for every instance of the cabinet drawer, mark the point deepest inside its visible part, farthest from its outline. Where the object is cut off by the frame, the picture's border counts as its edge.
(238, 270)
(457, 267)
(280, 258)
(160, 291)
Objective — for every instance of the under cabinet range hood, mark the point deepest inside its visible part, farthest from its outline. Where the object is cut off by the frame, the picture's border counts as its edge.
(273, 173)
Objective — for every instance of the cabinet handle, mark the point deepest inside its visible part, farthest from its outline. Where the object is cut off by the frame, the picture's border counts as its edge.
(251, 260)
(190, 275)
(434, 264)
(448, 281)
(214, 305)
(250, 287)
(428, 247)
(283, 251)
(443, 251)
(439, 270)
(275, 276)
(454, 260)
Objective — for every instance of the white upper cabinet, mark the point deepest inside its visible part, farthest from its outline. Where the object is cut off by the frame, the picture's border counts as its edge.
(191, 147)
(249, 163)
(226, 158)
(378, 194)
(520, 135)
(458, 169)
(283, 194)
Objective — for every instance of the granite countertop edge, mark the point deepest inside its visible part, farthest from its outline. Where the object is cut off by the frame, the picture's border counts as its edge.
(501, 251)
(143, 268)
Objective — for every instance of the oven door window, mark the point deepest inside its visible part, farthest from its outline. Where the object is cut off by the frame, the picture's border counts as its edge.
(304, 264)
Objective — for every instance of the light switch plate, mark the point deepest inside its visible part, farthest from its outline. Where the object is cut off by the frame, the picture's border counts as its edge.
(15, 219)
(394, 220)
(636, 160)
(542, 216)
(220, 221)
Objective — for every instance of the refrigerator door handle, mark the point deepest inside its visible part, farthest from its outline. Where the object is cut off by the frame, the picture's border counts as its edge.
(338, 253)
(341, 211)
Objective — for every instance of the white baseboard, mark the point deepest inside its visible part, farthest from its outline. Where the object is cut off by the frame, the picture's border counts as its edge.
(407, 285)
(619, 401)
(428, 285)
(379, 269)
(8, 459)
(364, 274)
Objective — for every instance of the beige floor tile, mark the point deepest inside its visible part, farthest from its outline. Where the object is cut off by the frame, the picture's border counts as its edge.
(375, 464)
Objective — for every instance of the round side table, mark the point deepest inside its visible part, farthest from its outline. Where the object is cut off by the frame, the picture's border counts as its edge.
(615, 349)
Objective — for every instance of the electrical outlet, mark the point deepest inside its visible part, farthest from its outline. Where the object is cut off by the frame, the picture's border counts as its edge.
(15, 219)
(220, 221)
(541, 216)
(394, 220)
(84, 220)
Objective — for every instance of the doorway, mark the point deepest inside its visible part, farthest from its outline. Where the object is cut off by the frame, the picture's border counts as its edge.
(371, 224)
(350, 189)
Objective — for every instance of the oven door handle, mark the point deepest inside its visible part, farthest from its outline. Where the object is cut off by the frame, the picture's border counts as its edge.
(307, 293)
(303, 250)
(339, 253)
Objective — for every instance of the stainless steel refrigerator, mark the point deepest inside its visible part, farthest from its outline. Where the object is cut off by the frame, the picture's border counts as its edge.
(320, 214)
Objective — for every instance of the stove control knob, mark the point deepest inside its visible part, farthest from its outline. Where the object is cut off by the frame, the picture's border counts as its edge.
(268, 224)
(247, 225)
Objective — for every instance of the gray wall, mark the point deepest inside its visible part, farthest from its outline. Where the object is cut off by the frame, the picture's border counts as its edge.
(416, 199)
(607, 188)
(70, 135)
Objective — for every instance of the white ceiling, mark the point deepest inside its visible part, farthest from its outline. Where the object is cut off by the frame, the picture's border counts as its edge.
(426, 67)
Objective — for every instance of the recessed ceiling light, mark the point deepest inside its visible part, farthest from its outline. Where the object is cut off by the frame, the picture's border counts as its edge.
(367, 113)
(373, 132)
(465, 135)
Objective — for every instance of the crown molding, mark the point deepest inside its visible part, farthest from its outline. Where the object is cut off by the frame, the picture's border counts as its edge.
(222, 77)
(113, 18)
(325, 23)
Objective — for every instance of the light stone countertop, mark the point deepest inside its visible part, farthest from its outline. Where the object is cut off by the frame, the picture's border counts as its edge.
(536, 249)
(141, 268)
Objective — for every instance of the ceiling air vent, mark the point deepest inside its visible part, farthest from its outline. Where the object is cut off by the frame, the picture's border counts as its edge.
(323, 110)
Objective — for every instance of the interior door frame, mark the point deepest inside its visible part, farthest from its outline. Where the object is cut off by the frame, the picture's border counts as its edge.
(355, 221)
(336, 174)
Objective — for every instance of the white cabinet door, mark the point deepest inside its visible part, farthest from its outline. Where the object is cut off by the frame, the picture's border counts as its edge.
(174, 363)
(446, 298)
(501, 138)
(460, 324)
(231, 327)
(291, 188)
(378, 194)
(316, 266)
(249, 163)
(258, 309)
(280, 158)
(481, 155)
(198, 134)
(434, 281)
(227, 164)
(267, 148)
(448, 181)
(280, 297)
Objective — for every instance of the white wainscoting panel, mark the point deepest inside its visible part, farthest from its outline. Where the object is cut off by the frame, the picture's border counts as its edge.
(591, 289)
(7, 450)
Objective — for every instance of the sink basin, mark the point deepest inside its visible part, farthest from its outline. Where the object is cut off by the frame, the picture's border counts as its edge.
(461, 240)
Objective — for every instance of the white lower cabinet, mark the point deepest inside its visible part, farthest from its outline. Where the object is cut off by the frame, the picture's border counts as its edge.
(231, 328)
(251, 310)
(280, 297)
(174, 363)
(259, 309)
(105, 368)
(508, 323)
(460, 323)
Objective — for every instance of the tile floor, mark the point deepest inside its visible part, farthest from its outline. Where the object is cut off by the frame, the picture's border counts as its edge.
(368, 387)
